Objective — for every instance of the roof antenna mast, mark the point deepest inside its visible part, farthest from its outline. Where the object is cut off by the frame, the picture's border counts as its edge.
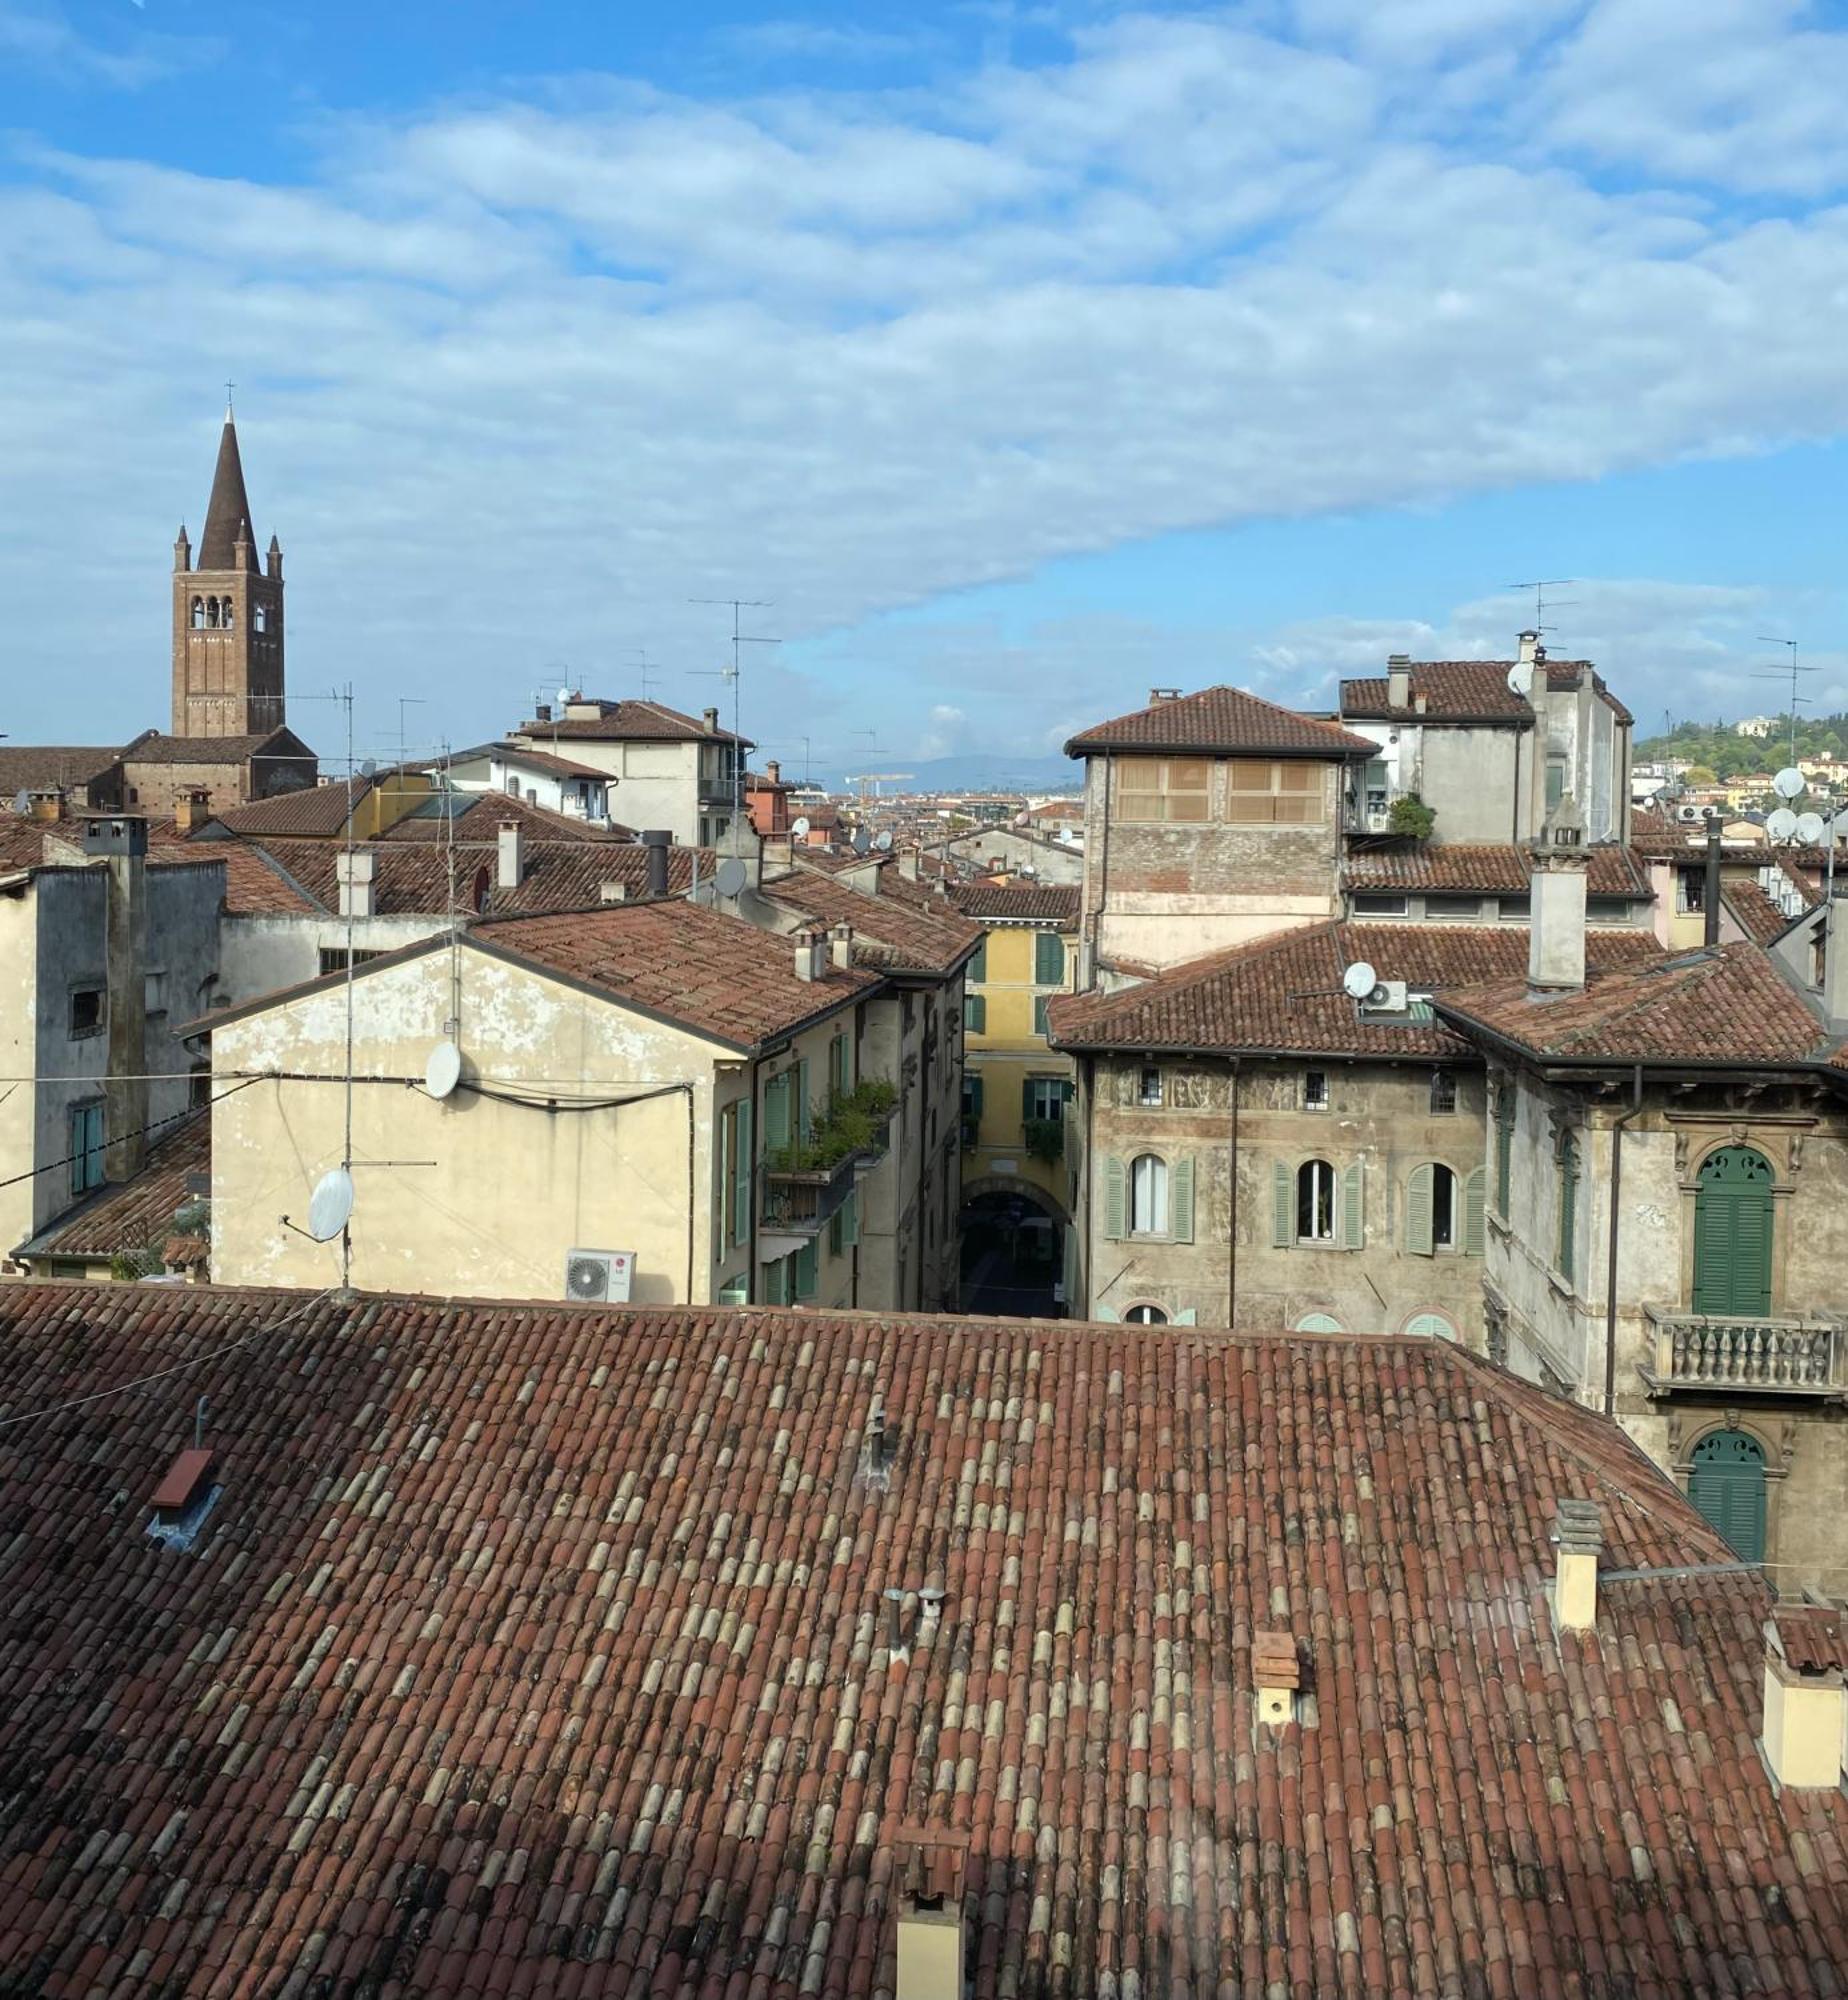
(1540, 586)
(739, 637)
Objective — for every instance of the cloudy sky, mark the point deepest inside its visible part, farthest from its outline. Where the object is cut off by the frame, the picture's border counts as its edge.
(1022, 356)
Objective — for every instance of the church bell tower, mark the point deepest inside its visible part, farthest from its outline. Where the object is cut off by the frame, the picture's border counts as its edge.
(227, 616)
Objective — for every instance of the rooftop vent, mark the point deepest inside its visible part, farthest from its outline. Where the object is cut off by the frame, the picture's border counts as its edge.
(614, 892)
(1578, 1530)
(184, 1499)
(1277, 1674)
(931, 1866)
(1158, 695)
(1806, 1649)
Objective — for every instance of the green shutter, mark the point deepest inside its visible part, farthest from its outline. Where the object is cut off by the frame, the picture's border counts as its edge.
(1042, 1020)
(1732, 1233)
(972, 1095)
(1115, 1199)
(1568, 1210)
(1472, 1214)
(808, 1269)
(1353, 1207)
(977, 972)
(1727, 1485)
(1418, 1212)
(776, 1283)
(1187, 1318)
(805, 1117)
(1283, 1212)
(975, 1014)
(850, 1220)
(1504, 1144)
(1028, 1108)
(776, 1114)
(1048, 959)
(1181, 1199)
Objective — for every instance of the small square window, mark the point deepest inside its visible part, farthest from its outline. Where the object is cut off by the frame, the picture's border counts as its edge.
(1443, 1092)
(1315, 1090)
(1148, 1088)
(86, 1010)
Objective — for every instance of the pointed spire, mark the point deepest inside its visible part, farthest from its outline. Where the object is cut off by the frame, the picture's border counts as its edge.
(229, 510)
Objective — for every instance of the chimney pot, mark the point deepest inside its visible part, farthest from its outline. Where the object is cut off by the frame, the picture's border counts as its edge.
(1276, 1675)
(1158, 695)
(191, 810)
(47, 805)
(1398, 680)
(931, 1865)
(510, 855)
(615, 892)
(840, 946)
(774, 772)
(811, 961)
(712, 722)
(356, 874)
(657, 841)
(1528, 644)
(1578, 1529)
(1806, 1650)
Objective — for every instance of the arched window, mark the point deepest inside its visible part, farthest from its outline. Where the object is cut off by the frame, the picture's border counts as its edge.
(229, 614)
(1732, 1233)
(211, 612)
(1727, 1484)
(1315, 1202)
(1318, 1323)
(259, 618)
(1434, 1326)
(1146, 1316)
(198, 614)
(1148, 1195)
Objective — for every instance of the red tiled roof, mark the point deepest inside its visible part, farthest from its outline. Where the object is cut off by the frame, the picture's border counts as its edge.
(632, 722)
(1222, 720)
(700, 968)
(1488, 868)
(1284, 992)
(1756, 914)
(545, 760)
(891, 933)
(314, 812)
(1453, 690)
(135, 1214)
(39, 767)
(1729, 1004)
(542, 1650)
(1018, 903)
(22, 841)
(482, 818)
(156, 748)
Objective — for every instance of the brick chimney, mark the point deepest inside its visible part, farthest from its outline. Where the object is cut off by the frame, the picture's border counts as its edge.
(773, 772)
(192, 809)
(1276, 1674)
(1398, 680)
(510, 855)
(931, 1864)
(46, 805)
(1806, 1649)
(1556, 937)
(1578, 1533)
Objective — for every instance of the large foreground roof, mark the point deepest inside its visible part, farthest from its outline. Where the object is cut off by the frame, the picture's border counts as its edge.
(545, 1650)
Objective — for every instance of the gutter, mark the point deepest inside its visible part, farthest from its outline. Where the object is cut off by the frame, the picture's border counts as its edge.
(1610, 1275)
(1232, 1211)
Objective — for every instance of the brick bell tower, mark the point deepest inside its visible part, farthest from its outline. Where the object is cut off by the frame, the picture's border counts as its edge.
(227, 616)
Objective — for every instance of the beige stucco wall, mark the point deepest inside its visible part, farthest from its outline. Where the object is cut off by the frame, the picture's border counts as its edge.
(18, 1058)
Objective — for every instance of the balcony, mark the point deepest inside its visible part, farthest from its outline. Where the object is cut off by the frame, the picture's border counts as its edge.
(805, 1183)
(800, 1201)
(1759, 1356)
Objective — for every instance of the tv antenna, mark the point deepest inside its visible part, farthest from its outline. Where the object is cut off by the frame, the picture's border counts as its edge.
(1769, 673)
(647, 672)
(739, 637)
(1540, 586)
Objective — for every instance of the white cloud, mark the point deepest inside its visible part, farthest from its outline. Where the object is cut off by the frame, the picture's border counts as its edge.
(43, 40)
(521, 377)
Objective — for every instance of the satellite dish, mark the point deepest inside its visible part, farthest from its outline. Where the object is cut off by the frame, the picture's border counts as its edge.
(1788, 782)
(369, 769)
(800, 828)
(444, 1070)
(861, 844)
(884, 843)
(730, 876)
(330, 1207)
(1521, 678)
(564, 695)
(1359, 980)
(1810, 828)
(23, 803)
(1781, 824)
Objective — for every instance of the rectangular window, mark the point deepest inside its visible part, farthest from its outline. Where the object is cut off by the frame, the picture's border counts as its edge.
(155, 993)
(1047, 1097)
(1315, 1202)
(975, 1014)
(86, 1011)
(1048, 959)
(86, 1148)
(1443, 1092)
(1514, 909)
(1148, 1089)
(1374, 905)
(1164, 788)
(1504, 1144)
(971, 1096)
(1453, 909)
(1690, 891)
(1042, 1019)
(978, 965)
(1315, 1090)
(840, 1066)
(1555, 781)
(1262, 793)
(334, 958)
(1148, 1196)
(1607, 909)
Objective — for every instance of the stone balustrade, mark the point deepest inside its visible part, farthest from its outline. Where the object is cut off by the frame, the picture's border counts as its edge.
(1759, 1354)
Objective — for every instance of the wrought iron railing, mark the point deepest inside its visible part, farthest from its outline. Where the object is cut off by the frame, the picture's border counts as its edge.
(1755, 1354)
(801, 1200)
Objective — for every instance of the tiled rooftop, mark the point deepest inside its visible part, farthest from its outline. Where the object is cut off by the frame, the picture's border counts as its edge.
(1218, 720)
(1489, 868)
(34, 767)
(891, 933)
(137, 1214)
(1466, 691)
(541, 1651)
(157, 748)
(1757, 915)
(1284, 992)
(630, 722)
(1018, 903)
(1730, 1004)
(314, 812)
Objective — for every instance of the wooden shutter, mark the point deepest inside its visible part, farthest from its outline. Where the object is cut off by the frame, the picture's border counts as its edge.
(1187, 1318)
(1283, 1207)
(776, 1114)
(1181, 1199)
(1727, 1485)
(1472, 1214)
(1732, 1233)
(975, 1013)
(744, 1176)
(1026, 1098)
(807, 1262)
(1418, 1212)
(804, 1118)
(1353, 1207)
(1042, 1020)
(1504, 1144)
(978, 965)
(849, 1215)
(1048, 959)
(1116, 1198)
(972, 1096)
(1568, 1210)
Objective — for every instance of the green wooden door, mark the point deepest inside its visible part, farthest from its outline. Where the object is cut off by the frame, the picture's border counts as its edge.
(1727, 1484)
(1732, 1233)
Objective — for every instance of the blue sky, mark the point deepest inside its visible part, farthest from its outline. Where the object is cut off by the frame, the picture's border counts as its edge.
(1023, 356)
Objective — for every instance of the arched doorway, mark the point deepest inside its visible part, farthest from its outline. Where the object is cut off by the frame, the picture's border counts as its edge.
(1727, 1484)
(1013, 1249)
(1732, 1233)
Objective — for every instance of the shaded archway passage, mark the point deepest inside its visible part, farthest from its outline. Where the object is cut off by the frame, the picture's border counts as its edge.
(1013, 1250)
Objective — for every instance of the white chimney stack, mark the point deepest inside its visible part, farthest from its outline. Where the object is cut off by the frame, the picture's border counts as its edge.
(1529, 644)
(840, 946)
(811, 955)
(1399, 680)
(356, 874)
(1806, 1648)
(1578, 1531)
(1556, 937)
(1835, 963)
(510, 870)
(931, 1865)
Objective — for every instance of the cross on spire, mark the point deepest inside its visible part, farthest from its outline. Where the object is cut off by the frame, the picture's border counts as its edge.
(229, 386)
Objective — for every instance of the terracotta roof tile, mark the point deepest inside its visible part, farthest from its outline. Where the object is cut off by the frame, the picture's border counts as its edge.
(1729, 1004)
(1018, 903)
(1222, 720)
(158, 748)
(1489, 868)
(541, 1650)
(135, 1214)
(891, 933)
(316, 811)
(1284, 992)
(1453, 690)
(38, 767)
(1757, 915)
(630, 722)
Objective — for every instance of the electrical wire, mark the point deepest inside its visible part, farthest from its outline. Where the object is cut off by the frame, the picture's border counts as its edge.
(156, 1125)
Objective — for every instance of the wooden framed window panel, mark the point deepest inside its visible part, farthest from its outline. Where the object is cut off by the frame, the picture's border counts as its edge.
(1165, 789)
(1273, 792)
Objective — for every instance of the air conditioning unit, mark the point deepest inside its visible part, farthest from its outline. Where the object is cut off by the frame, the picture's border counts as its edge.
(1388, 997)
(599, 1277)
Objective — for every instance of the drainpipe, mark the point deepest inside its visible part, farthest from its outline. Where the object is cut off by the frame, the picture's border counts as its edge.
(1711, 899)
(1610, 1275)
(1090, 1174)
(1232, 1210)
(750, 1269)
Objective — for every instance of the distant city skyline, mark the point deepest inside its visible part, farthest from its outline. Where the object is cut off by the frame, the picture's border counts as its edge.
(1023, 358)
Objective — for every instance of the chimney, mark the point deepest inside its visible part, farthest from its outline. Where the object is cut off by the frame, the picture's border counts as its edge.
(192, 809)
(1158, 695)
(1710, 901)
(1418, 703)
(542, 711)
(46, 805)
(657, 840)
(1528, 644)
(1556, 939)
(1578, 1530)
(122, 843)
(510, 857)
(811, 955)
(1806, 1649)
(712, 721)
(1398, 680)
(908, 863)
(1835, 961)
(840, 946)
(1276, 1675)
(773, 772)
(356, 873)
(930, 1866)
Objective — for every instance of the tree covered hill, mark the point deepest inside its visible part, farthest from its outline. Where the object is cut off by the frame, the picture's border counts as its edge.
(1713, 745)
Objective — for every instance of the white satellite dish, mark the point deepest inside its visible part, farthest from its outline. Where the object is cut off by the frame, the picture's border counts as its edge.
(884, 843)
(330, 1207)
(730, 876)
(800, 828)
(1810, 828)
(1788, 782)
(1781, 824)
(861, 843)
(370, 768)
(1359, 980)
(444, 1070)
(1521, 678)
(564, 695)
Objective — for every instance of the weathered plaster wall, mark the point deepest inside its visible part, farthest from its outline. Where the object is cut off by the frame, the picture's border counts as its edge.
(263, 954)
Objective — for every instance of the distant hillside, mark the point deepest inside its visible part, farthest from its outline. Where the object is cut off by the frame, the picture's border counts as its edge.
(967, 774)
(1715, 747)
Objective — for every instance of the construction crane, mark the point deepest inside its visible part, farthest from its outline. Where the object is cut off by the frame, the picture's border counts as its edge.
(875, 779)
